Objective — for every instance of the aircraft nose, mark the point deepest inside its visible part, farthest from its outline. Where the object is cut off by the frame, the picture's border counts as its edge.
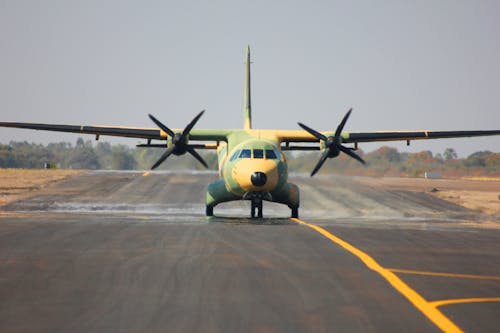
(258, 178)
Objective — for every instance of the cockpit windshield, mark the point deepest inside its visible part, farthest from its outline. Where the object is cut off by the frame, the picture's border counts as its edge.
(235, 155)
(258, 153)
(246, 153)
(269, 154)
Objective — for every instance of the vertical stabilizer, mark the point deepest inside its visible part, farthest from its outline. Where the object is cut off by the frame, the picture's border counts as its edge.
(247, 103)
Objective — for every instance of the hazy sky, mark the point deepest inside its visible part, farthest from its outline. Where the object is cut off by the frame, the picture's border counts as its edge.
(400, 64)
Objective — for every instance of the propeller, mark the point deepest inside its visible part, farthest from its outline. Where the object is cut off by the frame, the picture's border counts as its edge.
(179, 144)
(332, 143)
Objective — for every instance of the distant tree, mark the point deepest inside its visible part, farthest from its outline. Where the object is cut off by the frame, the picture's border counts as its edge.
(104, 152)
(122, 159)
(450, 154)
(493, 163)
(388, 153)
(6, 157)
(80, 143)
(477, 159)
(423, 157)
(84, 156)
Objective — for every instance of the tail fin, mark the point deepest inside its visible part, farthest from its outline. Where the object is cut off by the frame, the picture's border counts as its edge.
(247, 103)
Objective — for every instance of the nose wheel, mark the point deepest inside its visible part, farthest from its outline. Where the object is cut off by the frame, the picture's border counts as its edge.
(256, 206)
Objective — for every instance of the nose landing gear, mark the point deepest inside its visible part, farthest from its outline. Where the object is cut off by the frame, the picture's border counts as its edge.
(256, 199)
(256, 205)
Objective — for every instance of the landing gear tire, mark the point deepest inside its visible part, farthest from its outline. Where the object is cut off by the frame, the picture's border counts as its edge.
(209, 211)
(295, 212)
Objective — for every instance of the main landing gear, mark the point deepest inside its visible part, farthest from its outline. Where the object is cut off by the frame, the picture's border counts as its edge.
(256, 209)
(256, 206)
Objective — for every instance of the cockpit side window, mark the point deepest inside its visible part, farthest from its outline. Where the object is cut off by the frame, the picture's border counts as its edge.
(270, 154)
(246, 153)
(258, 153)
(235, 155)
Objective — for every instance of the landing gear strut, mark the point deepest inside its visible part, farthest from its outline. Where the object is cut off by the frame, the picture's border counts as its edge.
(256, 205)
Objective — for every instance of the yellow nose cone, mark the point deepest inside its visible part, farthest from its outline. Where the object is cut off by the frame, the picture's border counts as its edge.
(242, 172)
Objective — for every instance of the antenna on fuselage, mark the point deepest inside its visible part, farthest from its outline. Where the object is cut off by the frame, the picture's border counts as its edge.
(247, 103)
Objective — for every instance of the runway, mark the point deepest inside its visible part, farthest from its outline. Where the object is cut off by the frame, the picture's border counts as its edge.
(133, 252)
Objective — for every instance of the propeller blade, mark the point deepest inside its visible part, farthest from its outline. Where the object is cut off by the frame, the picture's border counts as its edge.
(160, 125)
(195, 154)
(163, 157)
(193, 122)
(322, 160)
(349, 152)
(342, 124)
(314, 133)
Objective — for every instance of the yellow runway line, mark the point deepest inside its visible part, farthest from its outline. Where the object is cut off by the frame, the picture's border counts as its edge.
(427, 308)
(465, 300)
(452, 275)
(145, 174)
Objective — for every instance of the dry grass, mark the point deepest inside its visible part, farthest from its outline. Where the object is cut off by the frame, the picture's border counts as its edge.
(485, 202)
(18, 183)
(478, 194)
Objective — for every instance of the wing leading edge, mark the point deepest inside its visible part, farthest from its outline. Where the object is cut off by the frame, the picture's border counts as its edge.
(354, 137)
(130, 132)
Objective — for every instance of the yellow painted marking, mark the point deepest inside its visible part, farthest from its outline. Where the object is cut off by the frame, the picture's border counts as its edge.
(464, 276)
(244, 168)
(145, 174)
(464, 300)
(427, 308)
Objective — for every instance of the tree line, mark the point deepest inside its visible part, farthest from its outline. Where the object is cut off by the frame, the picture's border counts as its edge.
(388, 161)
(86, 155)
(383, 161)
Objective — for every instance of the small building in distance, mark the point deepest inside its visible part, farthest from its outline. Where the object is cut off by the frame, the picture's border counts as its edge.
(432, 175)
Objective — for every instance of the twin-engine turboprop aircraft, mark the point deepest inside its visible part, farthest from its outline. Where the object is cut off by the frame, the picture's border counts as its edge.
(251, 163)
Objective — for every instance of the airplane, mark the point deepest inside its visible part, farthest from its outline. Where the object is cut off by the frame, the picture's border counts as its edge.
(251, 162)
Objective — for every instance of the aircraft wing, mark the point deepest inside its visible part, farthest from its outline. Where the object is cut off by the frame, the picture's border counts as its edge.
(284, 136)
(331, 143)
(131, 132)
(289, 138)
(355, 137)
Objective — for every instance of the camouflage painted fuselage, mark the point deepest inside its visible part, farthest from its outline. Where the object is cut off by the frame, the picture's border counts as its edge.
(252, 165)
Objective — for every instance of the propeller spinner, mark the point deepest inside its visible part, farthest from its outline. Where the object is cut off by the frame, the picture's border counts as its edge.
(179, 141)
(332, 144)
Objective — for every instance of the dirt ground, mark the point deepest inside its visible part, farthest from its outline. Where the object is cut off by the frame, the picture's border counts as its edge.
(19, 183)
(481, 195)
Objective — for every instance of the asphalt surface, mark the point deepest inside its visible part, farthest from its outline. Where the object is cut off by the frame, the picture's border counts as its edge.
(127, 252)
